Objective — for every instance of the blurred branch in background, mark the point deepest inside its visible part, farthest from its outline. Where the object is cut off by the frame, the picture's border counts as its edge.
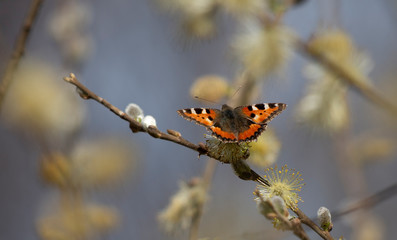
(359, 83)
(19, 48)
(368, 202)
(207, 177)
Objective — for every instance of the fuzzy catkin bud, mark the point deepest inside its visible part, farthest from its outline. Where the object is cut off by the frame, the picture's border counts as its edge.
(183, 206)
(210, 87)
(148, 121)
(133, 110)
(324, 217)
(280, 205)
(264, 50)
(55, 168)
(266, 209)
(227, 152)
(265, 150)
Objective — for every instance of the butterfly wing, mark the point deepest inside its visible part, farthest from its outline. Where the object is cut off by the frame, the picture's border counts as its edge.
(259, 115)
(222, 135)
(201, 116)
(262, 113)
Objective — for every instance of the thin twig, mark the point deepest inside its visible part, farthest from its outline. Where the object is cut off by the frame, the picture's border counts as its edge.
(134, 125)
(307, 221)
(361, 85)
(367, 202)
(19, 48)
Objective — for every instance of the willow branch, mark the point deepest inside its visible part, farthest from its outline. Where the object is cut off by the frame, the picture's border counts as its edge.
(360, 84)
(367, 202)
(135, 126)
(19, 48)
(307, 221)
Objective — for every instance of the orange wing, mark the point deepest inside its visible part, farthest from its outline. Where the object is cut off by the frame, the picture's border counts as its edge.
(223, 135)
(263, 112)
(252, 133)
(202, 116)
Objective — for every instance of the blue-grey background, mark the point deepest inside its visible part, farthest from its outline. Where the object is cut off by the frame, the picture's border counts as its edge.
(138, 58)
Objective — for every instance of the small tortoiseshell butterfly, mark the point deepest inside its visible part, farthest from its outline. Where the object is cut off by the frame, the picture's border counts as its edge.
(241, 124)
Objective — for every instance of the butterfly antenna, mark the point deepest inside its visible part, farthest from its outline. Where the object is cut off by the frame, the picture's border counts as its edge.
(206, 100)
(238, 89)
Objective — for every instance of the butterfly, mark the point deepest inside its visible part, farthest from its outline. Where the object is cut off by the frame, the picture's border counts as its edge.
(240, 124)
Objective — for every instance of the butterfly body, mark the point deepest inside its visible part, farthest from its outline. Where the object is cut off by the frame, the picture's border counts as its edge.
(240, 124)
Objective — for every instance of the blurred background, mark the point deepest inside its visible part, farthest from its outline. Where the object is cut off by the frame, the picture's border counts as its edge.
(65, 160)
